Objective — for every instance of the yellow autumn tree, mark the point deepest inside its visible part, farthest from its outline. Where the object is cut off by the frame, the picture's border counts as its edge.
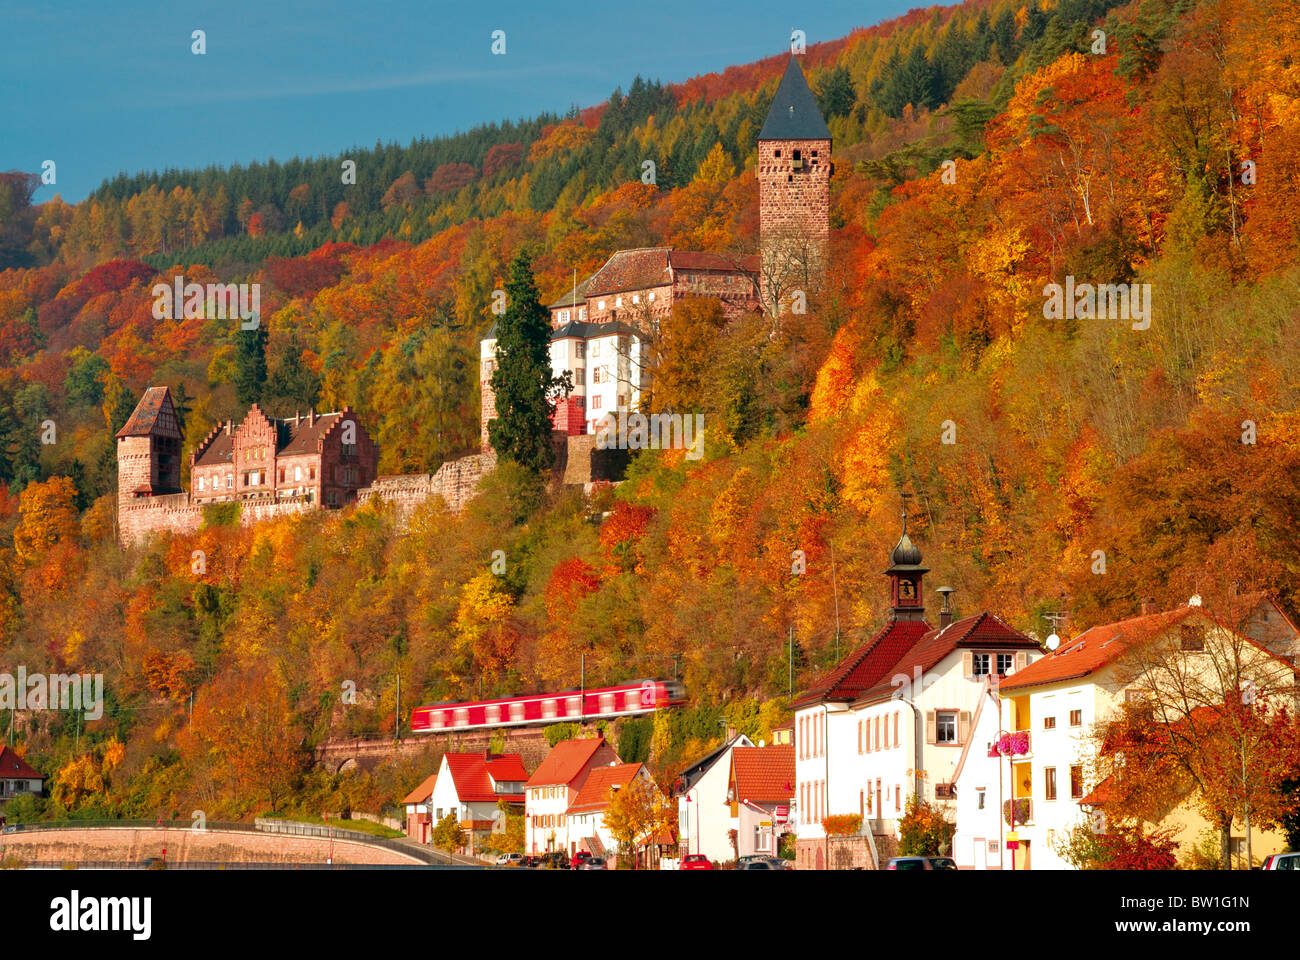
(484, 635)
(47, 516)
(637, 813)
(87, 777)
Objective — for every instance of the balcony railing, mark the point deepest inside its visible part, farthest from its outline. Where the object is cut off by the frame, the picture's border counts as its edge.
(1024, 810)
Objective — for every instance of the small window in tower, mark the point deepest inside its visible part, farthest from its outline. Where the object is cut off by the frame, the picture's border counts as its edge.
(778, 153)
(796, 155)
(814, 153)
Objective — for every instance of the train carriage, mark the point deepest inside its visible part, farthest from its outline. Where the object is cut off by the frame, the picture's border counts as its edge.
(631, 699)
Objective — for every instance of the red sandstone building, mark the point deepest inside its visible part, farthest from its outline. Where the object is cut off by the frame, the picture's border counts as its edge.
(325, 458)
(271, 465)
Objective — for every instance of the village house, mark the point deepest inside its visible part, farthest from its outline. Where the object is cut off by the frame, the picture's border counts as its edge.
(704, 817)
(979, 840)
(416, 807)
(1057, 705)
(602, 326)
(552, 790)
(893, 719)
(17, 778)
(586, 815)
(474, 786)
(760, 791)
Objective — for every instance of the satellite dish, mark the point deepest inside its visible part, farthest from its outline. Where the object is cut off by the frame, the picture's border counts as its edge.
(1053, 641)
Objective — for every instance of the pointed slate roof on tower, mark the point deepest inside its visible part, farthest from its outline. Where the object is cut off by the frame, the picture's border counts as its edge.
(794, 114)
(153, 414)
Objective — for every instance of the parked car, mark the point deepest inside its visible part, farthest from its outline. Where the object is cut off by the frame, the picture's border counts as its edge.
(592, 863)
(921, 863)
(531, 861)
(556, 860)
(780, 863)
(1282, 861)
(510, 860)
(696, 861)
(763, 864)
(579, 858)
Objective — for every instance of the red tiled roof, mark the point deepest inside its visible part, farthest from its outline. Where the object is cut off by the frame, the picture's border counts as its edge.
(981, 630)
(1095, 648)
(473, 775)
(863, 668)
(1101, 794)
(423, 791)
(144, 418)
(764, 775)
(14, 767)
(600, 784)
(629, 270)
(567, 759)
(692, 260)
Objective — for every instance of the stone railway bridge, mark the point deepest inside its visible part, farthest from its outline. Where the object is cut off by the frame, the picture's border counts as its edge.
(366, 753)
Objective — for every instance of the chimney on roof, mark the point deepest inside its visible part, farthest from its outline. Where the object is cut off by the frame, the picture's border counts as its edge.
(1148, 606)
(945, 615)
(311, 416)
(228, 423)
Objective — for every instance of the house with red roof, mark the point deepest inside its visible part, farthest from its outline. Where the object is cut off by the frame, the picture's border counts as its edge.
(1056, 706)
(17, 777)
(416, 806)
(586, 815)
(554, 787)
(474, 787)
(893, 718)
(760, 789)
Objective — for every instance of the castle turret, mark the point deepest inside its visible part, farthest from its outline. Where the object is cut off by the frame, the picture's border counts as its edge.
(794, 175)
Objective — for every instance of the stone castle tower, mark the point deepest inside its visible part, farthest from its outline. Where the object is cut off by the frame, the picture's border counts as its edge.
(149, 449)
(794, 181)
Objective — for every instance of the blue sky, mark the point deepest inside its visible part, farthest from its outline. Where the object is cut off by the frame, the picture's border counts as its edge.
(104, 87)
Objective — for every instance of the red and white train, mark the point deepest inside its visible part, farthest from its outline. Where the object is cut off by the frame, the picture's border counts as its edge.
(630, 699)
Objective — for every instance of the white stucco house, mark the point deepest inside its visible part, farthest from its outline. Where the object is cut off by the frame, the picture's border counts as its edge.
(704, 817)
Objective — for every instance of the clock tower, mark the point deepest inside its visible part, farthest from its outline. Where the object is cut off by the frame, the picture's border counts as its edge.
(905, 575)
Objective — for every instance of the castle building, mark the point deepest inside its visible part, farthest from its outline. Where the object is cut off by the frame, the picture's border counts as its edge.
(272, 466)
(325, 458)
(794, 191)
(599, 326)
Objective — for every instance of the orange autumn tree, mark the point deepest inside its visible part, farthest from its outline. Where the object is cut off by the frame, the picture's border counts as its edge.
(242, 746)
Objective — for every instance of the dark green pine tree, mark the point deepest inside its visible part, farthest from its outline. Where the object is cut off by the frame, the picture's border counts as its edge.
(250, 364)
(522, 381)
